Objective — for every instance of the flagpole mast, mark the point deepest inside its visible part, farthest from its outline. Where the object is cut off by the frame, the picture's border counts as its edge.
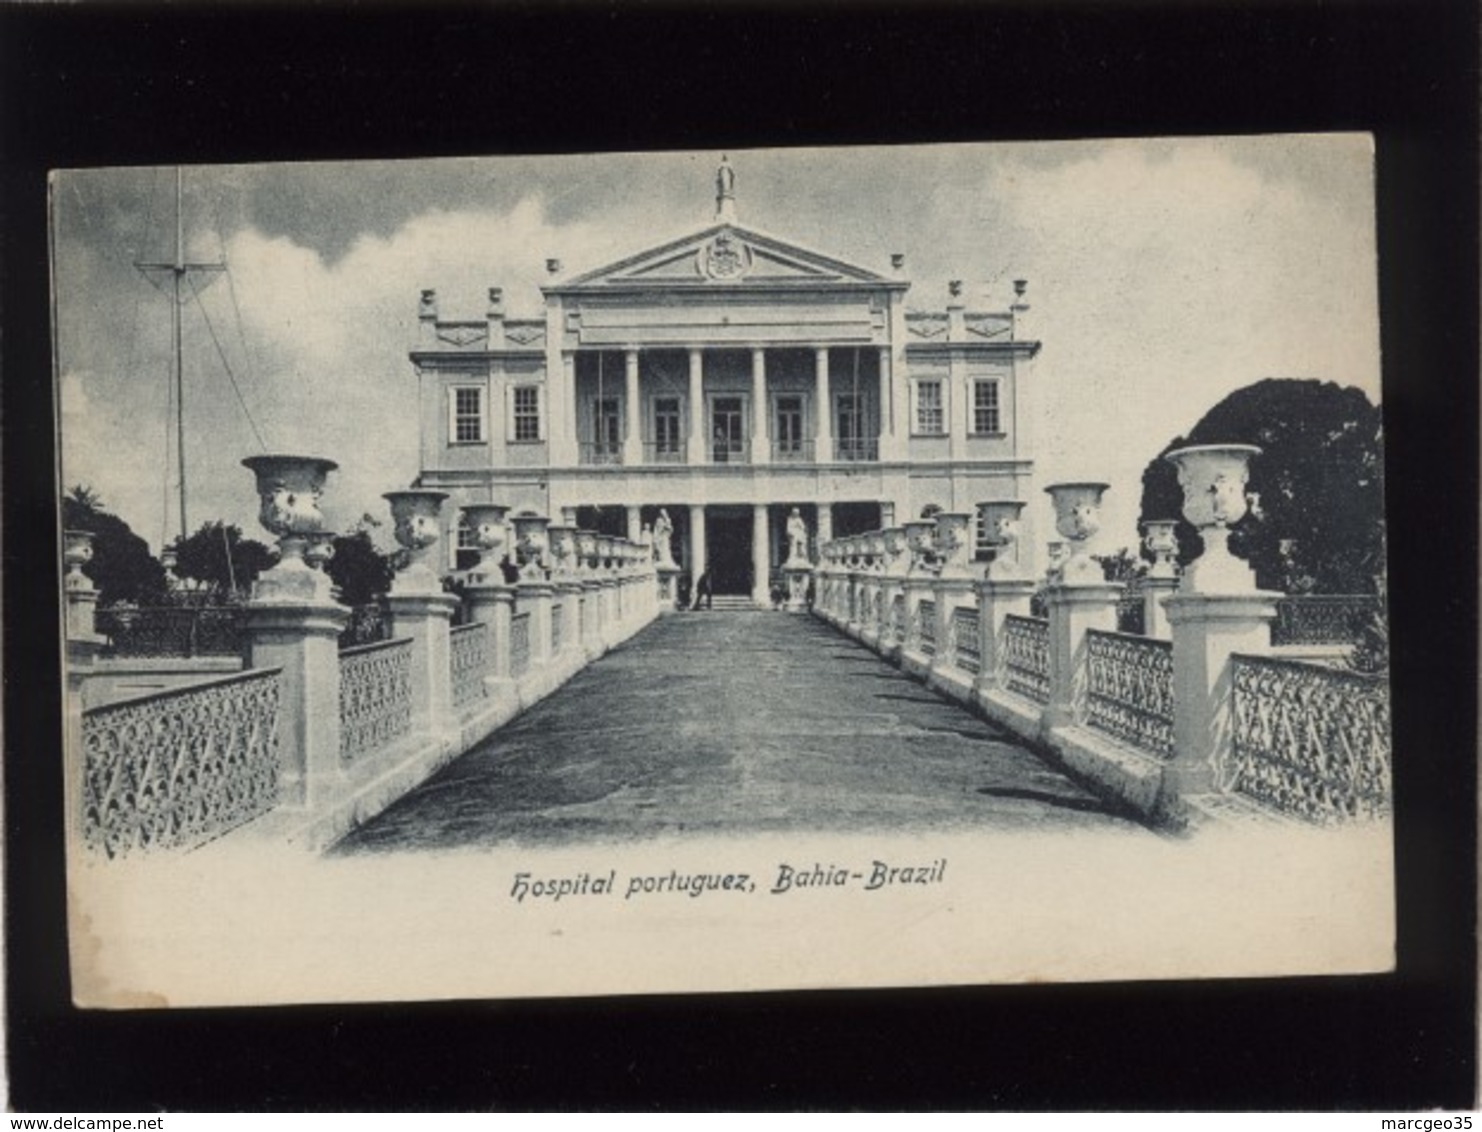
(177, 273)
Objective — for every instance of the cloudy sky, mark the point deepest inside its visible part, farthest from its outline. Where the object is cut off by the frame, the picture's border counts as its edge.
(1162, 275)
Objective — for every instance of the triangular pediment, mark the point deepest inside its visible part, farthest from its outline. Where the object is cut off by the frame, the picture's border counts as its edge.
(725, 255)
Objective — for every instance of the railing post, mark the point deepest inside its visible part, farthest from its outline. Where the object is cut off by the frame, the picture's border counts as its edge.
(1075, 608)
(427, 619)
(997, 598)
(536, 597)
(1207, 628)
(83, 645)
(492, 603)
(1155, 591)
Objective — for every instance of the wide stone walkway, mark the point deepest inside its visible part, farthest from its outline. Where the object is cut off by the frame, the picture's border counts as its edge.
(733, 722)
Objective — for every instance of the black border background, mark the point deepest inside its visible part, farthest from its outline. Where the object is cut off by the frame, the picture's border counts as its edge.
(142, 84)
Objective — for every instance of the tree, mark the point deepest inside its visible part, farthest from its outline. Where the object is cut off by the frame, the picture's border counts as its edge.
(122, 567)
(1320, 482)
(361, 571)
(1122, 567)
(218, 557)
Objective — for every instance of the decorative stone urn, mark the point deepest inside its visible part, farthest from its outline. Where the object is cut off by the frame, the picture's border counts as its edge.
(288, 488)
(1078, 518)
(563, 550)
(320, 549)
(920, 534)
(952, 545)
(1056, 552)
(586, 551)
(1213, 477)
(532, 542)
(77, 552)
(414, 517)
(1162, 543)
(999, 522)
(893, 541)
(487, 523)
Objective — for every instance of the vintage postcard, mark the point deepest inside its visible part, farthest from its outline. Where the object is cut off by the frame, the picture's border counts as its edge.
(714, 571)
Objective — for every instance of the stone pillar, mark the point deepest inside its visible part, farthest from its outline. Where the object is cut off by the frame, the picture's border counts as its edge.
(949, 594)
(561, 410)
(591, 638)
(697, 545)
(1154, 617)
(761, 560)
(568, 516)
(695, 442)
(83, 645)
(825, 440)
(887, 513)
(536, 597)
(570, 651)
(890, 446)
(635, 521)
(302, 638)
(761, 436)
(1207, 629)
(997, 598)
(633, 438)
(668, 588)
(1073, 610)
(825, 523)
(426, 619)
(492, 604)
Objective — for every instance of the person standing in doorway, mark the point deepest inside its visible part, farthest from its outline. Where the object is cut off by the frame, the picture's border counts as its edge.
(702, 589)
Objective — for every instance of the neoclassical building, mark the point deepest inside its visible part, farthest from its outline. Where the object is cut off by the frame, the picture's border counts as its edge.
(728, 377)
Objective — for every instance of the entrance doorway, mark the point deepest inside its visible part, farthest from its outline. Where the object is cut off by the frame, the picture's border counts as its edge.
(728, 549)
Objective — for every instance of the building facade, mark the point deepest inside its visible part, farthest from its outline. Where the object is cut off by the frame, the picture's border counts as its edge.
(727, 377)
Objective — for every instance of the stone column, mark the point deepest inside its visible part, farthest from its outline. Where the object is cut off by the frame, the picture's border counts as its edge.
(635, 521)
(561, 411)
(536, 597)
(633, 438)
(890, 448)
(1073, 610)
(1207, 629)
(825, 523)
(426, 618)
(697, 545)
(492, 604)
(761, 560)
(695, 442)
(83, 645)
(1154, 615)
(761, 437)
(825, 439)
(949, 593)
(997, 598)
(302, 638)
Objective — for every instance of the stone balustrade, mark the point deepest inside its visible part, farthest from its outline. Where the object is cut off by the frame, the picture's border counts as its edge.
(1193, 719)
(312, 739)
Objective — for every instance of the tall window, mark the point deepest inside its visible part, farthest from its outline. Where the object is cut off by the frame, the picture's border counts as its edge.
(929, 416)
(666, 426)
(527, 412)
(468, 414)
(789, 426)
(985, 407)
(467, 555)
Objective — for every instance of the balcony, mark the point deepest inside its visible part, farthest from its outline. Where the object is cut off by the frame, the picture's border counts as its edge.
(852, 449)
(600, 453)
(666, 452)
(722, 451)
(792, 451)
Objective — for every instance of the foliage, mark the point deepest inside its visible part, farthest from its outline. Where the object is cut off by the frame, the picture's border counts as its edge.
(1122, 567)
(221, 560)
(122, 567)
(1320, 480)
(361, 572)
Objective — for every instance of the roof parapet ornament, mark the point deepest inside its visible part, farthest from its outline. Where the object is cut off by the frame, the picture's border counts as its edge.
(725, 192)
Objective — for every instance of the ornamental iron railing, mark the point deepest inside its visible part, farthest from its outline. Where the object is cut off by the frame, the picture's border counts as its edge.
(966, 642)
(180, 768)
(854, 449)
(667, 452)
(375, 697)
(1026, 656)
(172, 631)
(926, 627)
(469, 654)
(519, 644)
(1322, 619)
(1309, 740)
(1129, 690)
(796, 451)
(599, 453)
(1131, 614)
